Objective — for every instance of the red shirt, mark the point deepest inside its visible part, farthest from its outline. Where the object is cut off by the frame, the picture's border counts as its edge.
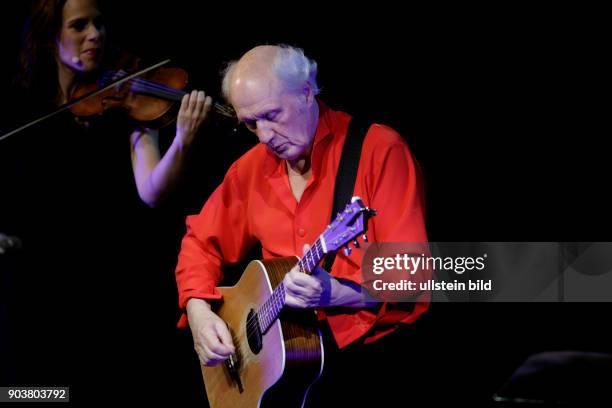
(255, 203)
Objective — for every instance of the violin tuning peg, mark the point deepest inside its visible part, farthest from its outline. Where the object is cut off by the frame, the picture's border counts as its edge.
(347, 251)
(356, 243)
(365, 238)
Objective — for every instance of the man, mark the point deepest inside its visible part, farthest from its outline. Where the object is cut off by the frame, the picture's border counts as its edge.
(280, 193)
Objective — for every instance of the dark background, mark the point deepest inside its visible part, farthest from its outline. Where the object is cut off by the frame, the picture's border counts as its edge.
(502, 108)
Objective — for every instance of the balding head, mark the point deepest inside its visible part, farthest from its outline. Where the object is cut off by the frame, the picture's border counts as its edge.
(271, 63)
(253, 74)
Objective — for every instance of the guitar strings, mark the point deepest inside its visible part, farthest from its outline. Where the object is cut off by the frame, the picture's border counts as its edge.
(264, 309)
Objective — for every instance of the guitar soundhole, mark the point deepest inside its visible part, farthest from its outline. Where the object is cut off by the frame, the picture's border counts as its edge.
(253, 332)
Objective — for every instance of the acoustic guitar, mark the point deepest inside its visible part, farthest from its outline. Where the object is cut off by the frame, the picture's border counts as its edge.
(279, 352)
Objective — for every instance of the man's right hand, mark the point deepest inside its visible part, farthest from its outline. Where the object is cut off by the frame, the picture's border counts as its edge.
(211, 337)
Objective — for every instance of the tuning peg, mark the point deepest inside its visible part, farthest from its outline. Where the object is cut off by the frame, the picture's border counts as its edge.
(356, 243)
(365, 238)
(347, 251)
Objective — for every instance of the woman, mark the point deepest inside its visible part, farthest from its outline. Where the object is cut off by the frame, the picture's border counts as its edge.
(90, 295)
(65, 41)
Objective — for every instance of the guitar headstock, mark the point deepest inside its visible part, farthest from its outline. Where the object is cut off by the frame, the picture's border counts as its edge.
(348, 225)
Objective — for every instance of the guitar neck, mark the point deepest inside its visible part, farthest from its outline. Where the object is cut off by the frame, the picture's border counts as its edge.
(311, 259)
(269, 311)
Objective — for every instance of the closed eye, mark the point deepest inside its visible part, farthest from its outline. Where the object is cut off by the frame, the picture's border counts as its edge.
(271, 116)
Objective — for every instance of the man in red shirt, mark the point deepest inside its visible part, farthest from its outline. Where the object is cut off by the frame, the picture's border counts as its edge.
(280, 193)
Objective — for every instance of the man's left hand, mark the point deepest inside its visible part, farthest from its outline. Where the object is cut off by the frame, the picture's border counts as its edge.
(308, 291)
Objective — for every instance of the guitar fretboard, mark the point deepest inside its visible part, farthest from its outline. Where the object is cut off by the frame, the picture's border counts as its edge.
(271, 308)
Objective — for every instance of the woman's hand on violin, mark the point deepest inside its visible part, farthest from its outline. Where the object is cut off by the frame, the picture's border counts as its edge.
(194, 109)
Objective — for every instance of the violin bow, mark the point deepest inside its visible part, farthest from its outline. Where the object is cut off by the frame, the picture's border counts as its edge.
(70, 104)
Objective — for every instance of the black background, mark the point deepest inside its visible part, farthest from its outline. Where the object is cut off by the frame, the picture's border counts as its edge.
(503, 108)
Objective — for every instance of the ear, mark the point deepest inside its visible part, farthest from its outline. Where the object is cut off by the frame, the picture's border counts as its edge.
(308, 93)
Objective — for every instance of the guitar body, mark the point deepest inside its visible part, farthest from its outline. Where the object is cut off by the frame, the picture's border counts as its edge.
(281, 368)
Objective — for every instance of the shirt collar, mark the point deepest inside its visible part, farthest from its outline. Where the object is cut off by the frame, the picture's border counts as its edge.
(323, 127)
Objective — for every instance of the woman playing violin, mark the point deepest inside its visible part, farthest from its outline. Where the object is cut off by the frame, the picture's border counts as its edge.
(64, 44)
(92, 294)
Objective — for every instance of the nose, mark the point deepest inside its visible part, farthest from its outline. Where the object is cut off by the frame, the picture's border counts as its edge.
(264, 132)
(93, 33)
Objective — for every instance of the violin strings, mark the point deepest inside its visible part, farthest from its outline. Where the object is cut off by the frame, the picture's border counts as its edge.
(143, 85)
(156, 89)
(169, 93)
(177, 94)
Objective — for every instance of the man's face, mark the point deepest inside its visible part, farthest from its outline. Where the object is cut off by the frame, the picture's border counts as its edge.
(280, 117)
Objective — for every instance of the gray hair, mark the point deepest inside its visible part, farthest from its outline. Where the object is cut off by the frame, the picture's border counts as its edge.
(290, 66)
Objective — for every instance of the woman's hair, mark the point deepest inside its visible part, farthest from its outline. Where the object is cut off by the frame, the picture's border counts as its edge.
(37, 65)
(290, 65)
(37, 70)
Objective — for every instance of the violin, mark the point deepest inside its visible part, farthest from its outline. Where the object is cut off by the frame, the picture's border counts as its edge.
(148, 96)
(149, 99)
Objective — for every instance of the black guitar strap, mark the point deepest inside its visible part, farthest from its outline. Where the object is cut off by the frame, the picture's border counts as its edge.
(347, 172)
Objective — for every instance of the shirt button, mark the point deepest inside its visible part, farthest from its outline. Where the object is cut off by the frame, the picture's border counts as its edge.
(301, 232)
